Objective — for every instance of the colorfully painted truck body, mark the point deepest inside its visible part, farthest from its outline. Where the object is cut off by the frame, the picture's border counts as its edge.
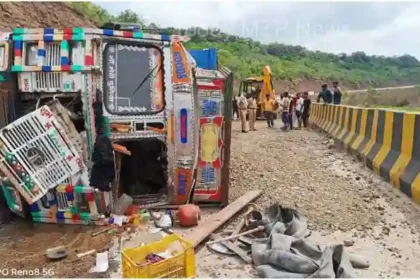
(145, 86)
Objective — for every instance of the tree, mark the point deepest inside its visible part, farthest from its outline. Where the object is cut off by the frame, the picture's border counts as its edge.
(129, 16)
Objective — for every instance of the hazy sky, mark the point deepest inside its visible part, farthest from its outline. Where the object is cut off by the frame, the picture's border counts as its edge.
(372, 27)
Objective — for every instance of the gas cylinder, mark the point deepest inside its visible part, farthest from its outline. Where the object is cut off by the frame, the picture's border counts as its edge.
(188, 215)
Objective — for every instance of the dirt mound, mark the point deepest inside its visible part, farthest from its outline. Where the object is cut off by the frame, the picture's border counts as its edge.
(40, 14)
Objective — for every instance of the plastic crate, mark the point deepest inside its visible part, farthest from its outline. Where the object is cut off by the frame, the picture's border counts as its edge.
(179, 266)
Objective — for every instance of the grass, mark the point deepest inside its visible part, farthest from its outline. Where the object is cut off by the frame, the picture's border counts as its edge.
(396, 99)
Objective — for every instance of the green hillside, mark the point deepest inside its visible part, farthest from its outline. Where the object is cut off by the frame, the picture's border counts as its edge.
(246, 57)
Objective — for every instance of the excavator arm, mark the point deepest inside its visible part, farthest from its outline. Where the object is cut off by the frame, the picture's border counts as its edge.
(267, 87)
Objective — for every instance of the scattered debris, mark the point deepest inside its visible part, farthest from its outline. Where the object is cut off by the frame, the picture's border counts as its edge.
(234, 236)
(201, 232)
(103, 230)
(90, 252)
(102, 263)
(220, 247)
(166, 221)
(348, 243)
(122, 204)
(238, 251)
(188, 215)
(57, 253)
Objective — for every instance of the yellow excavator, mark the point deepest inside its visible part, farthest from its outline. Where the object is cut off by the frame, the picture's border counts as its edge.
(258, 87)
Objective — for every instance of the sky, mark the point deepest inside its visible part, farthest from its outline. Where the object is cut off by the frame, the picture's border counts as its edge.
(387, 28)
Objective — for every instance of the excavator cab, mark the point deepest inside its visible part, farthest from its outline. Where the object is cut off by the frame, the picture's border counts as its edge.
(251, 87)
(258, 87)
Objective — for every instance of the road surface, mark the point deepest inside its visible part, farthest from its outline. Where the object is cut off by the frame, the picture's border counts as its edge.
(341, 200)
(381, 89)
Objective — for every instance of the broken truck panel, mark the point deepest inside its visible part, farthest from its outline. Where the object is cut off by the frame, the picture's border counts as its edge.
(214, 95)
(36, 151)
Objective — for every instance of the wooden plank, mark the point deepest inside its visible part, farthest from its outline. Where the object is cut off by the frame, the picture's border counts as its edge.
(216, 220)
(90, 252)
(121, 149)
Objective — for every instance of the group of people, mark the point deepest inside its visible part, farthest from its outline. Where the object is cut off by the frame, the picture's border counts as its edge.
(298, 105)
(243, 106)
(295, 107)
(330, 96)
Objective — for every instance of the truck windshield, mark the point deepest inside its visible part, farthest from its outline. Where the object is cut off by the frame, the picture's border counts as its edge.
(133, 78)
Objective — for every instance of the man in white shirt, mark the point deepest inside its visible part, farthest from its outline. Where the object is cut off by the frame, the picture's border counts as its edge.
(285, 104)
(299, 109)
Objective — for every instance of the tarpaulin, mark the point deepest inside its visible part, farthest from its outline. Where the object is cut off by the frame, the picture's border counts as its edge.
(286, 253)
(206, 58)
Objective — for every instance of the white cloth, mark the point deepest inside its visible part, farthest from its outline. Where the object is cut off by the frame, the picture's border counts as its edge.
(299, 104)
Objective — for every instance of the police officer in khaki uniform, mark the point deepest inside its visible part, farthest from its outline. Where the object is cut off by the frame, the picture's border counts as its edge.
(252, 112)
(243, 106)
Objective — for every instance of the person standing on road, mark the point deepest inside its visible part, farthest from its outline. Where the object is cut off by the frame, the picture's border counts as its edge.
(252, 112)
(306, 107)
(337, 93)
(325, 94)
(299, 109)
(279, 99)
(269, 110)
(285, 111)
(292, 107)
(243, 107)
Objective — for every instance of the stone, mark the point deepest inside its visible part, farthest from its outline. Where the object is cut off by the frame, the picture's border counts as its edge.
(348, 243)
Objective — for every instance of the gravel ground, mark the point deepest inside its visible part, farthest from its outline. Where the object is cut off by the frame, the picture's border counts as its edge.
(342, 200)
(23, 246)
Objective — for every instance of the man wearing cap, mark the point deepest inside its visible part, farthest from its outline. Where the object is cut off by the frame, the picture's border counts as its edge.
(252, 112)
(243, 107)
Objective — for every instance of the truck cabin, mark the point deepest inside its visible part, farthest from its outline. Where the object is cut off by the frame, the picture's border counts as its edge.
(251, 87)
(136, 89)
(116, 81)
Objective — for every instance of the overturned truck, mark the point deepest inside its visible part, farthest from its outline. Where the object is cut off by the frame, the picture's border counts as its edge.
(89, 114)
